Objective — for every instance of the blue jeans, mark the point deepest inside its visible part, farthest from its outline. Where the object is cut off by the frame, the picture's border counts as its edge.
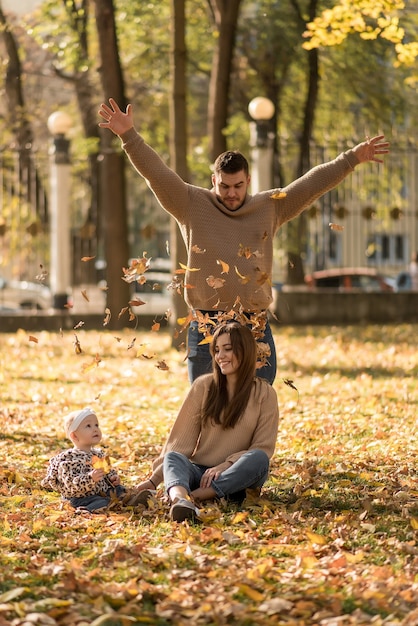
(97, 501)
(249, 472)
(200, 360)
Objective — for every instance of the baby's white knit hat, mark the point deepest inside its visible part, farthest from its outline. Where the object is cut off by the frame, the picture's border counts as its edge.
(74, 419)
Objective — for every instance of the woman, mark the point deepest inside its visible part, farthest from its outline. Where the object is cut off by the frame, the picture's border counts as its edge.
(225, 433)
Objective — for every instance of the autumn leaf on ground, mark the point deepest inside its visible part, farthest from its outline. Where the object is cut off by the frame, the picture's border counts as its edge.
(225, 266)
(215, 282)
(278, 195)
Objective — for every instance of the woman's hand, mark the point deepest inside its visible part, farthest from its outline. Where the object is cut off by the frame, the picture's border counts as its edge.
(367, 150)
(116, 120)
(213, 473)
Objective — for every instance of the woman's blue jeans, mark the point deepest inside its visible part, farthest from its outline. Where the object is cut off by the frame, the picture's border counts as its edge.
(249, 472)
(97, 501)
(199, 359)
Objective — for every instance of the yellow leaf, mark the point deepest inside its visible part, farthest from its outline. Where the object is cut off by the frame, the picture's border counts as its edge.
(189, 269)
(278, 195)
(207, 339)
(225, 266)
(414, 523)
(251, 593)
(320, 540)
(101, 463)
(243, 279)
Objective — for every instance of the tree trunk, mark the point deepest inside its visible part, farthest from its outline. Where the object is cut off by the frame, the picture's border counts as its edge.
(178, 142)
(297, 228)
(225, 14)
(20, 125)
(113, 197)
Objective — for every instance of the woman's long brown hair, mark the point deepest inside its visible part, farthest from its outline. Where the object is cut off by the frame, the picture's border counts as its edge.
(218, 408)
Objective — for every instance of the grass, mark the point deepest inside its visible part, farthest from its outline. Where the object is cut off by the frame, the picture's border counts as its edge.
(331, 541)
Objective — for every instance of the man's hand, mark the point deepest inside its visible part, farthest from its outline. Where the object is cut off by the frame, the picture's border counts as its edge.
(369, 149)
(116, 120)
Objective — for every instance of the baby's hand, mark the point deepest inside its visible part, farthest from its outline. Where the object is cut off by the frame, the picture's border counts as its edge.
(97, 474)
(115, 480)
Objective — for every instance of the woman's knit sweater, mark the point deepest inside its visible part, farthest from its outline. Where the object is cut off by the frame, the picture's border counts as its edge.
(241, 239)
(210, 445)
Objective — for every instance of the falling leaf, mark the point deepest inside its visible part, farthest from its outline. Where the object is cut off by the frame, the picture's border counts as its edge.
(155, 327)
(244, 251)
(32, 338)
(335, 226)
(132, 343)
(207, 339)
(84, 294)
(85, 259)
(216, 283)
(107, 317)
(80, 324)
(242, 279)
(123, 311)
(162, 365)
(225, 266)
(278, 195)
(198, 250)
(136, 302)
(77, 345)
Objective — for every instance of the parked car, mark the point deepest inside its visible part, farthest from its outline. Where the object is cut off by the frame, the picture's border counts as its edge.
(403, 282)
(23, 294)
(349, 279)
(154, 293)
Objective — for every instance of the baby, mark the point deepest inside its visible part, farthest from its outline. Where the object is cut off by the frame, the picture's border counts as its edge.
(73, 473)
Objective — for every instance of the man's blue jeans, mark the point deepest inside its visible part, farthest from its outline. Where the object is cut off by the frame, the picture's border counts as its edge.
(249, 472)
(97, 501)
(199, 359)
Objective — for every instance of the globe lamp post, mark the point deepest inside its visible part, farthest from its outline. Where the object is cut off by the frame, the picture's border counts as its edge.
(262, 136)
(59, 124)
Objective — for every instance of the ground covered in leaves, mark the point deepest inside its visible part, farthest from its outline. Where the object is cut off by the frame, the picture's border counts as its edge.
(333, 541)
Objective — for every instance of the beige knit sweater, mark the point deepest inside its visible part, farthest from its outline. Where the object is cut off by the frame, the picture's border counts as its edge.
(231, 251)
(210, 445)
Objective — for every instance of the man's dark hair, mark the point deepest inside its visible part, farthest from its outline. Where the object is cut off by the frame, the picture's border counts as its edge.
(231, 162)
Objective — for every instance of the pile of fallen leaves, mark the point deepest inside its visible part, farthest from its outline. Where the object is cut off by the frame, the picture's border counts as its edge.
(332, 541)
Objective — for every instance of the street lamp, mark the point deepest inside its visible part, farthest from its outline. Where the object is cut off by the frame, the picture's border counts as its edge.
(59, 123)
(261, 143)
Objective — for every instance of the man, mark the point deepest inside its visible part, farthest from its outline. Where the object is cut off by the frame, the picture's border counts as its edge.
(229, 233)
